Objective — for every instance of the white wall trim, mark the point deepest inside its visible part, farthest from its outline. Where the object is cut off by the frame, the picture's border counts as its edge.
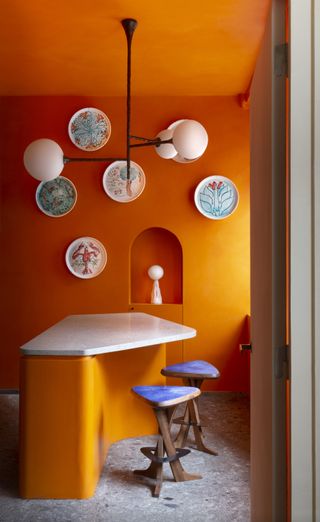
(316, 182)
(305, 260)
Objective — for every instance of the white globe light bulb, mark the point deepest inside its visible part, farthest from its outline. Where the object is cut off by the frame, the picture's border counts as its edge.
(43, 159)
(155, 272)
(167, 150)
(190, 139)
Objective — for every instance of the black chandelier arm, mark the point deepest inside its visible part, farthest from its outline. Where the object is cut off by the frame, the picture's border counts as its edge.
(129, 25)
(141, 138)
(66, 159)
(150, 143)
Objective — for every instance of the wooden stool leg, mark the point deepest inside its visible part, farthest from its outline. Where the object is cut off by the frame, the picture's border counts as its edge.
(155, 470)
(170, 414)
(179, 473)
(182, 435)
(181, 438)
(159, 470)
(197, 430)
(192, 418)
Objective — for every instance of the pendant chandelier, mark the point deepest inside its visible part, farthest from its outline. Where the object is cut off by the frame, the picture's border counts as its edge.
(183, 141)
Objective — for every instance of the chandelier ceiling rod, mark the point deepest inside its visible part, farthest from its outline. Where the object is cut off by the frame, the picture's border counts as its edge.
(129, 25)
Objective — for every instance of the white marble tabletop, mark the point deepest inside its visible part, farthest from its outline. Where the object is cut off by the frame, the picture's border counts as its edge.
(104, 333)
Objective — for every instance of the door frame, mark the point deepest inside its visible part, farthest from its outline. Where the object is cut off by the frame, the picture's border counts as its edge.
(304, 155)
(268, 273)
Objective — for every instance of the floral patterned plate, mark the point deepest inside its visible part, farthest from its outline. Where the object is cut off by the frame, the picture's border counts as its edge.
(216, 197)
(89, 129)
(57, 197)
(86, 257)
(116, 184)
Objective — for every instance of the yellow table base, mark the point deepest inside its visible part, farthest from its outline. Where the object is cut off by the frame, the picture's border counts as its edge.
(72, 409)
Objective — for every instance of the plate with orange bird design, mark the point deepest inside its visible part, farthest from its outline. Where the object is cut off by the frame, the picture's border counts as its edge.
(86, 257)
(216, 197)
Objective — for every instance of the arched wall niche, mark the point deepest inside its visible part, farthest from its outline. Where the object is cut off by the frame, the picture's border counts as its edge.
(156, 246)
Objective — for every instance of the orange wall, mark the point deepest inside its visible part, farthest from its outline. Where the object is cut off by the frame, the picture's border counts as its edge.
(38, 290)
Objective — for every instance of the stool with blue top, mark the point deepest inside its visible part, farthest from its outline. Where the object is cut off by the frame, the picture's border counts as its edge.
(193, 373)
(163, 400)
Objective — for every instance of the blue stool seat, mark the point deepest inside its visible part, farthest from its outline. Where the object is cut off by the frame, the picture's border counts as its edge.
(193, 369)
(163, 400)
(166, 396)
(193, 374)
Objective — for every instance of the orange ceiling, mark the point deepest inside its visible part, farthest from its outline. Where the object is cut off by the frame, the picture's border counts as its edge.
(180, 47)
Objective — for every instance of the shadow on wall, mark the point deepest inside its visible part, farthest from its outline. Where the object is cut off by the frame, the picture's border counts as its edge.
(9, 444)
(234, 365)
(240, 360)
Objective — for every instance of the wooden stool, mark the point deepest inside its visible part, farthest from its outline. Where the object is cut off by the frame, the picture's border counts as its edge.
(192, 373)
(163, 400)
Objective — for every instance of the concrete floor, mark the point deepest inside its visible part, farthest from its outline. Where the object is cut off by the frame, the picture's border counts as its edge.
(222, 495)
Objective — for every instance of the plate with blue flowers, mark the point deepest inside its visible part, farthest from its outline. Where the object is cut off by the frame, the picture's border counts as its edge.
(57, 197)
(216, 197)
(89, 129)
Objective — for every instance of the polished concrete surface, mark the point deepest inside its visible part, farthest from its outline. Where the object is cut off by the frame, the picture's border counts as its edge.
(222, 495)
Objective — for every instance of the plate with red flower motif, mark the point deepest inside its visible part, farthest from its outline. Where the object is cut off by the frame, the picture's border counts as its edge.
(86, 257)
(216, 197)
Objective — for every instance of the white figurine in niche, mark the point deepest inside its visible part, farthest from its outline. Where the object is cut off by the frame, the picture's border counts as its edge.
(155, 272)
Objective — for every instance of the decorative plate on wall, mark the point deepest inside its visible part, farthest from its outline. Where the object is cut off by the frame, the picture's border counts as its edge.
(116, 184)
(86, 257)
(57, 197)
(89, 129)
(216, 197)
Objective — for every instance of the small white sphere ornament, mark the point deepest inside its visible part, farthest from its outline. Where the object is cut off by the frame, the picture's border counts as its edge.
(155, 272)
(43, 159)
(166, 150)
(190, 139)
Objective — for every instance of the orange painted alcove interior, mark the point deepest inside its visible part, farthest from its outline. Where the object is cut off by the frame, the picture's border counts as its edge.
(37, 288)
(156, 246)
